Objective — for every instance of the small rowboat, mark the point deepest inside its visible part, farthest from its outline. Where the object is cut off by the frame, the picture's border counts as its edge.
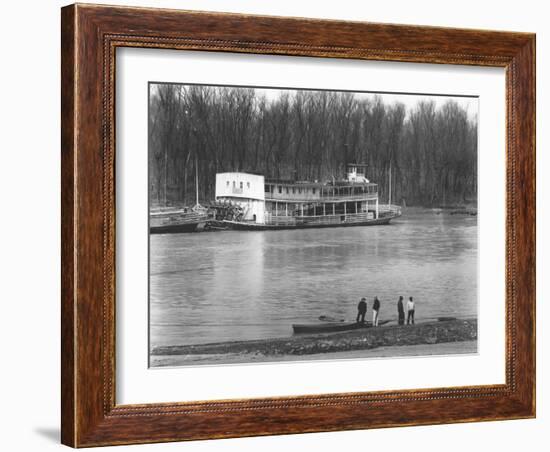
(305, 328)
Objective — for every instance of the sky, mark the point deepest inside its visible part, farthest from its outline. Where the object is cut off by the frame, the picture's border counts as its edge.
(469, 103)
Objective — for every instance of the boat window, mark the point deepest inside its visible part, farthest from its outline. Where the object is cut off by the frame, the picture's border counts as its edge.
(234, 184)
(313, 189)
(287, 190)
(227, 183)
(266, 188)
(248, 185)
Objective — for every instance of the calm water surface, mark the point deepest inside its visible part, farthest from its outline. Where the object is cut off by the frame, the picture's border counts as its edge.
(233, 285)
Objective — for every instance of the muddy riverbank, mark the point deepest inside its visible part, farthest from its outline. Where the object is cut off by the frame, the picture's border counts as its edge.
(427, 333)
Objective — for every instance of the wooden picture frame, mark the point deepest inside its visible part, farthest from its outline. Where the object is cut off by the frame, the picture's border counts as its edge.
(90, 35)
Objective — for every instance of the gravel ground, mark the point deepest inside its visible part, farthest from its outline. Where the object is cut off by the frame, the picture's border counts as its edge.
(420, 339)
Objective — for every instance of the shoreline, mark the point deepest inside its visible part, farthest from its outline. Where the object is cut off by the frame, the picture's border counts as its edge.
(442, 349)
(426, 334)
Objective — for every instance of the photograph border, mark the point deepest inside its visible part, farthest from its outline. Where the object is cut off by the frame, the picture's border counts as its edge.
(287, 88)
(90, 36)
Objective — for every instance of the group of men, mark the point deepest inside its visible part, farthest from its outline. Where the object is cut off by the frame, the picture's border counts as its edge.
(362, 311)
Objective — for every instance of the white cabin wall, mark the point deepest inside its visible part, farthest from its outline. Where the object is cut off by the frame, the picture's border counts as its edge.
(253, 186)
(251, 198)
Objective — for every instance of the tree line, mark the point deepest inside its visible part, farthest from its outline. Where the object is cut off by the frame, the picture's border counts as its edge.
(308, 135)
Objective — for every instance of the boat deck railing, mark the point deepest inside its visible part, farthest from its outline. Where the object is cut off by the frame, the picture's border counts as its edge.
(167, 212)
(297, 199)
(319, 219)
(384, 210)
(177, 217)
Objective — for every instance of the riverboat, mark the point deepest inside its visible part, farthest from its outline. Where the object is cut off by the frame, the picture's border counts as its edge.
(289, 204)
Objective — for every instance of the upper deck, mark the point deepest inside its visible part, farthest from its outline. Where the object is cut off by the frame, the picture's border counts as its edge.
(278, 190)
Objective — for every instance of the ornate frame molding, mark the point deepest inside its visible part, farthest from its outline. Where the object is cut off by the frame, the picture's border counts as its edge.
(90, 37)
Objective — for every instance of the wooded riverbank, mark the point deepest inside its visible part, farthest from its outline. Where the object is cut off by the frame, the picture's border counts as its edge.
(427, 152)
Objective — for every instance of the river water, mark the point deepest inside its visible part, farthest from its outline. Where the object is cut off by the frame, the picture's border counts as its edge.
(235, 285)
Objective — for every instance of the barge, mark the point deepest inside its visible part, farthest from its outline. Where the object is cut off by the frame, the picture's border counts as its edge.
(177, 220)
(185, 219)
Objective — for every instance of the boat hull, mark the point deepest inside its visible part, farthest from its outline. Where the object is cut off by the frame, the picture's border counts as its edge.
(175, 228)
(249, 226)
(332, 327)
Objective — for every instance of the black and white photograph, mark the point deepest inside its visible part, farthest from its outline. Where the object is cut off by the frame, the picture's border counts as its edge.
(298, 224)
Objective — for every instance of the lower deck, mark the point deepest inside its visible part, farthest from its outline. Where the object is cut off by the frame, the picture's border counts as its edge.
(319, 221)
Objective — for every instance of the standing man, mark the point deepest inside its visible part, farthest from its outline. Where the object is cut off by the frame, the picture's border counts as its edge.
(361, 310)
(375, 309)
(410, 311)
(400, 311)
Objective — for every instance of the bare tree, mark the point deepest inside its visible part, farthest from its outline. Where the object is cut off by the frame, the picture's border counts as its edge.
(431, 152)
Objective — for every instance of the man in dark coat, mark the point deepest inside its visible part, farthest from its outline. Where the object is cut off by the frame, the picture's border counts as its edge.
(400, 311)
(361, 310)
(375, 309)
